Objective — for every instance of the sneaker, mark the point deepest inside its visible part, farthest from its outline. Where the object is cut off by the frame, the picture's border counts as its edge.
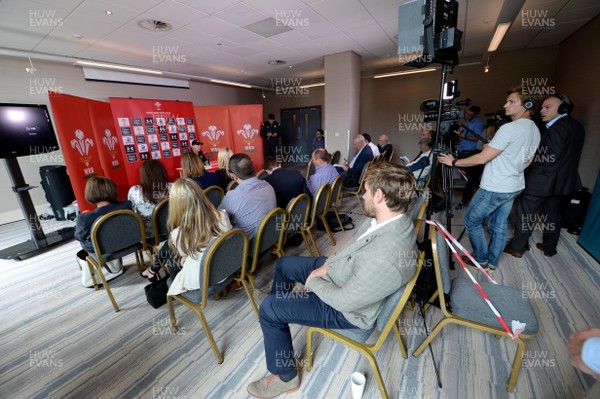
(468, 262)
(271, 386)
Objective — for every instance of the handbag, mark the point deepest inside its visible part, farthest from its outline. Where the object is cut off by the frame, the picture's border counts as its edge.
(156, 292)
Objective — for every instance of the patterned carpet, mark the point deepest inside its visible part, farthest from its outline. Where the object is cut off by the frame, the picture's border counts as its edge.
(61, 340)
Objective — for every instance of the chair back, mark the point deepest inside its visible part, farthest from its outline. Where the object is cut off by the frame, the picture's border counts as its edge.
(297, 213)
(224, 256)
(269, 233)
(261, 174)
(310, 169)
(361, 179)
(214, 194)
(321, 202)
(117, 234)
(391, 155)
(416, 206)
(441, 262)
(232, 185)
(335, 157)
(336, 188)
(159, 221)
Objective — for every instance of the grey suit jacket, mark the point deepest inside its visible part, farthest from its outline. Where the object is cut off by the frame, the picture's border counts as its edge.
(363, 274)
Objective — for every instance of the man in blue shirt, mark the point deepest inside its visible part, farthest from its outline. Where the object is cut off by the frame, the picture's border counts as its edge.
(251, 200)
(467, 148)
(319, 140)
(324, 171)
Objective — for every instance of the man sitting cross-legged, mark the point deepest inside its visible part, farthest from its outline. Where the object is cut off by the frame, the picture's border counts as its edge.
(347, 290)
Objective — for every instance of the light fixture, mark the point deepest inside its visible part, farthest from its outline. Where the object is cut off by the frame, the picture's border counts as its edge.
(108, 12)
(226, 82)
(263, 93)
(501, 30)
(31, 69)
(486, 69)
(387, 75)
(312, 85)
(117, 67)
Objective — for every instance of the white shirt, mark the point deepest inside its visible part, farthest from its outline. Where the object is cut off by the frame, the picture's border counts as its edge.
(355, 157)
(374, 148)
(375, 226)
(554, 120)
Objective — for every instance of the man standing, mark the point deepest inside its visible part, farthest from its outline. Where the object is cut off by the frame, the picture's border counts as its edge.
(552, 175)
(324, 171)
(251, 200)
(319, 140)
(505, 158)
(383, 143)
(351, 172)
(197, 148)
(347, 290)
(270, 131)
(288, 184)
(468, 147)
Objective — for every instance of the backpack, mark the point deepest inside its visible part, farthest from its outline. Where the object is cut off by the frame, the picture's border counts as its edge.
(334, 224)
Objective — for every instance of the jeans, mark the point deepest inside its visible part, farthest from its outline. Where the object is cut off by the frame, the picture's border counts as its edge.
(496, 207)
(283, 307)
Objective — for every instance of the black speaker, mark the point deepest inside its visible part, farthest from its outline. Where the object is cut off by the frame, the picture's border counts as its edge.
(58, 189)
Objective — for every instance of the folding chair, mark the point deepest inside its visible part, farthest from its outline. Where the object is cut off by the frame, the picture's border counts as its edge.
(357, 191)
(297, 213)
(269, 236)
(214, 194)
(319, 210)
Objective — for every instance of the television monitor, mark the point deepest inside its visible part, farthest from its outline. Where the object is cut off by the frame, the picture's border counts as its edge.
(25, 129)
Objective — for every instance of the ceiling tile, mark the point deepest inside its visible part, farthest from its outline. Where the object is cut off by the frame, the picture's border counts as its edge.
(209, 7)
(174, 13)
(241, 15)
(213, 25)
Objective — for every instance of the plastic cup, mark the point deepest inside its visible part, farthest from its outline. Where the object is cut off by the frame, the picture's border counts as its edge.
(358, 384)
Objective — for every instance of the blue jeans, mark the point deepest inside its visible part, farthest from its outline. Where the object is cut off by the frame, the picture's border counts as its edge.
(284, 307)
(495, 207)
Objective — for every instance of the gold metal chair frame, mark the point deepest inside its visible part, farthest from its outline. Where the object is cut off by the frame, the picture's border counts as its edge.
(214, 188)
(155, 213)
(303, 223)
(325, 189)
(277, 248)
(232, 185)
(450, 318)
(368, 350)
(199, 307)
(335, 199)
(97, 265)
(359, 189)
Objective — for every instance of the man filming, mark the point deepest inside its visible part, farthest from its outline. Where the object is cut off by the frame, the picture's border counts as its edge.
(505, 158)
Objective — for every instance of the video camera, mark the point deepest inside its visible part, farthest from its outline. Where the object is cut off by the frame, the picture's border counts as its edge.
(496, 119)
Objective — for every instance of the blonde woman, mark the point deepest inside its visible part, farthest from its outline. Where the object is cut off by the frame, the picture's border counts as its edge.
(194, 223)
(223, 157)
(193, 168)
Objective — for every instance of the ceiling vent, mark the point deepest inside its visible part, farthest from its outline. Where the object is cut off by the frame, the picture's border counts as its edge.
(155, 25)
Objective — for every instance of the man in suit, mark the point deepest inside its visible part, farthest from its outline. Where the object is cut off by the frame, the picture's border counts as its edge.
(383, 143)
(552, 175)
(351, 172)
(288, 184)
(347, 290)
(270, 131)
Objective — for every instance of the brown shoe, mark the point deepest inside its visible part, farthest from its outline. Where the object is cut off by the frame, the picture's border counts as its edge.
(272, 386)
(512, 252)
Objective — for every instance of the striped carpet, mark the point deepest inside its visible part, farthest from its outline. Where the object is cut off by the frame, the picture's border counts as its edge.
(61, 340)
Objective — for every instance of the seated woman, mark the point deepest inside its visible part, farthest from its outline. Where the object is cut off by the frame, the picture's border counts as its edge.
(153, 188)
(101, 192)
(194, 223)
(223, 158)
(193, 168)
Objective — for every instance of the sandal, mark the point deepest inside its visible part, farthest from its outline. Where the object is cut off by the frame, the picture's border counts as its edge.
(150, 275)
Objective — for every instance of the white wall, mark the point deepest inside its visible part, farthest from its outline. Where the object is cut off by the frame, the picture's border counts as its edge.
(19, 86)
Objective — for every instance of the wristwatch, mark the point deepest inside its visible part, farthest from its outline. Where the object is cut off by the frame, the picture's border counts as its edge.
(454, 162)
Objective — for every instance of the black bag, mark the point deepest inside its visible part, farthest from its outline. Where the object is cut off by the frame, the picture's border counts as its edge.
(156, 292)
(574, 208)
(334, 224)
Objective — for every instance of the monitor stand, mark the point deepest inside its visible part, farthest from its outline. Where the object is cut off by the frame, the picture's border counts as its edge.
(39, 241)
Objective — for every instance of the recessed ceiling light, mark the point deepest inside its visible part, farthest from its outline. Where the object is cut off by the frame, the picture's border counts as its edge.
(77, 36)
(277, 62)
(155, 25)
(109, 12)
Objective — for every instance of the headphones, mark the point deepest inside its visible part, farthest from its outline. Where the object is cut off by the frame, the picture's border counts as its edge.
(531, 102)
(565, 107)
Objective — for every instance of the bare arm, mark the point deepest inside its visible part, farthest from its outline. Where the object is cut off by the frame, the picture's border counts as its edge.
(481, 158)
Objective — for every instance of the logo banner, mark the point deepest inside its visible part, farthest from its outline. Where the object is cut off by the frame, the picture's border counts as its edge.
(214, 129)
(245, 125)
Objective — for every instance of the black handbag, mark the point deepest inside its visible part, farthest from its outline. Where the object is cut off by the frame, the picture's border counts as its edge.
(156, 293)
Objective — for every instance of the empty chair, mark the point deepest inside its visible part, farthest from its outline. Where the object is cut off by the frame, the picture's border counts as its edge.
(357, 191)
(297, 213)
(319, 210)
(224, 260)
(159, 223)
(268, 237)
(335, 157)
(310, 169)
(336, 190)
(214, 194)
(115, 235)
(466, 307)
(386, 322)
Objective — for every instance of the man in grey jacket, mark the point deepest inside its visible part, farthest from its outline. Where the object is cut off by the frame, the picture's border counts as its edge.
(346, 291)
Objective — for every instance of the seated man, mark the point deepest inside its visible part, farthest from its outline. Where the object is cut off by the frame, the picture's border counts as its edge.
(421, 167)
(383, 143)
(288, 184)
(374, 148)
(351, 172)
(347, 290)
(251, 200)
(324, 171)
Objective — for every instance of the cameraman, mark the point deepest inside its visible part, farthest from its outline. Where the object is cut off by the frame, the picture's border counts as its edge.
(505, 158)
(467, 148)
